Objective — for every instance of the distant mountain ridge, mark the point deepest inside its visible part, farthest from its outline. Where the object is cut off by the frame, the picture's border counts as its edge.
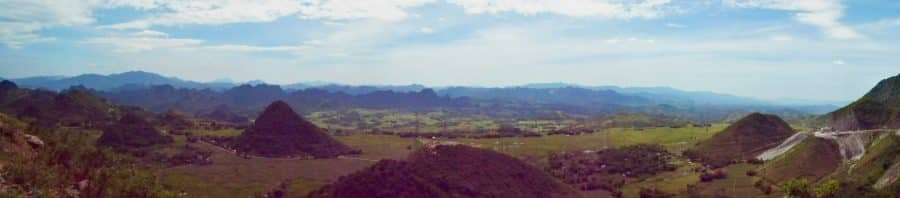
(112, 81)
(609, 97)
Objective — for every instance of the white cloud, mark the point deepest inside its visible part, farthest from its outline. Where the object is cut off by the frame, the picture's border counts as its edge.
(824, 14)
(575, 8)
(838, 62)
(216, 12)
(213, 12)
(426, 30)
(149, 33)
(138, 44)
(675, 25)
(19, 19)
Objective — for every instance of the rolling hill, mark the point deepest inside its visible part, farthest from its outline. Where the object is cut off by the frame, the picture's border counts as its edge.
(280, 132)
(742, 140)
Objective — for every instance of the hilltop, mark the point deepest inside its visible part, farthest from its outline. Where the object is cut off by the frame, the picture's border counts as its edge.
(879, 108)
(742, 140)
(280, 132)
(449, 171)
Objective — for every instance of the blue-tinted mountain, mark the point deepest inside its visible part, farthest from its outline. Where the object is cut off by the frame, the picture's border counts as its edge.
(131, 79)
(248, 99)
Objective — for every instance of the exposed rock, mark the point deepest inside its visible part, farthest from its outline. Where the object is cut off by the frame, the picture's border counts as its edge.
(890, 177)
(783, 147)
(34, 141)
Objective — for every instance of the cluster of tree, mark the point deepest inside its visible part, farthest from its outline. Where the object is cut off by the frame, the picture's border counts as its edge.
(607, 169)
(802, 188)
(708, 176)
(571, 131)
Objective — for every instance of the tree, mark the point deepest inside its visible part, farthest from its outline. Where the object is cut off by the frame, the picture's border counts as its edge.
(796, 188)
(828, 189)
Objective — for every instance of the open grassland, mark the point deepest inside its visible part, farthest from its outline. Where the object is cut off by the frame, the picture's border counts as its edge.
(229, 132)
(674, 182)
(428, 122)
(674, 139)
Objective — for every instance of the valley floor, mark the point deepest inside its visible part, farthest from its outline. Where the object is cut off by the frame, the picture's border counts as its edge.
(233, 176)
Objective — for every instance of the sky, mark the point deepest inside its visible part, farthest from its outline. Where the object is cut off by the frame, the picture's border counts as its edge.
(768, 49)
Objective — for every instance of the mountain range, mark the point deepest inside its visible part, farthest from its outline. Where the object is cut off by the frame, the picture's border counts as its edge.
(133, 87)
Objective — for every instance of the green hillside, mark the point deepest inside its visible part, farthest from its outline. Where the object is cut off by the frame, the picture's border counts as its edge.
(879, 108)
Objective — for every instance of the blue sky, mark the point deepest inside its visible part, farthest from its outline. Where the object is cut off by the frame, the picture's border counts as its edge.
(770, 49)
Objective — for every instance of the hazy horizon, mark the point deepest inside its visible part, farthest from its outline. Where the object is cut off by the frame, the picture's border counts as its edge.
(825, 50)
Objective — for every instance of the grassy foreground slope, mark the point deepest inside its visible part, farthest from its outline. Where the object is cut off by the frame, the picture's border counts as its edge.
(39, 161)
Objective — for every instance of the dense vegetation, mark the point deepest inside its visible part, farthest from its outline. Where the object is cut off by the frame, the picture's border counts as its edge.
(607, 169)
(132, 131)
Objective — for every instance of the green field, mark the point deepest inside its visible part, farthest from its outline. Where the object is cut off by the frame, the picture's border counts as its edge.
(428, 122)
(674, 139)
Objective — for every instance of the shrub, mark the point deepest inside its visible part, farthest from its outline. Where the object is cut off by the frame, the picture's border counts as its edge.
(762, 186)
(709, 176)
(828, 189)
(751, 173)
(654, 193)
(796, 188)
(69, 158)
